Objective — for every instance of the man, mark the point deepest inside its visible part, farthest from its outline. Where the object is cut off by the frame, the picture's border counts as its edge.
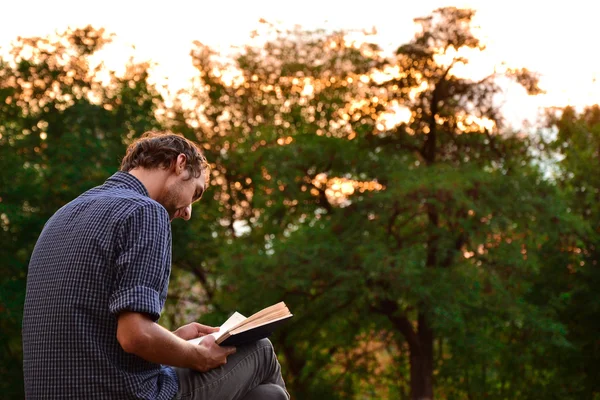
(97, 282)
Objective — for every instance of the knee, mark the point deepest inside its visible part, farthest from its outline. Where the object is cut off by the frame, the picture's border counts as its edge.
(267, 391)
(265, 347)
(278, 393)
(264, 343)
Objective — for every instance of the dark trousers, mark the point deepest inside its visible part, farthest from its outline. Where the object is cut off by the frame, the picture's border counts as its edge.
(252, 373)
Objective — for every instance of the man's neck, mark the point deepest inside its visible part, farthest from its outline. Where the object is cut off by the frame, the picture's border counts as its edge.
(153, 179)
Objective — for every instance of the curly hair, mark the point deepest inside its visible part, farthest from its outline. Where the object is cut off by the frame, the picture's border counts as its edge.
(156, 149)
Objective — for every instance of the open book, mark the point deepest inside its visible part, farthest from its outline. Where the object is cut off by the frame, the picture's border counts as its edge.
(238, 330)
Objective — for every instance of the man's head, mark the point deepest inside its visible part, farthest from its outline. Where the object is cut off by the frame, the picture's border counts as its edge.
(172, 168)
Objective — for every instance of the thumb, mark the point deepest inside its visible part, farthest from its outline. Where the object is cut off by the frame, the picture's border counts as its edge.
(208, 340)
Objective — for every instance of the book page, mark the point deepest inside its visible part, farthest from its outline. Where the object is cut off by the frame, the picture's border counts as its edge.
(232, 321)
(249, 323)
(258, 323)
(275, 310)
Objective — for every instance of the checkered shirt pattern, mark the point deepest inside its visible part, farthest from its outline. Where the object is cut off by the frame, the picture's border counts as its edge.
(105, 252)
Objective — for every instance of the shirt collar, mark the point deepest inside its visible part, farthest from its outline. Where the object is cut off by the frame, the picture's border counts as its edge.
(125, 179)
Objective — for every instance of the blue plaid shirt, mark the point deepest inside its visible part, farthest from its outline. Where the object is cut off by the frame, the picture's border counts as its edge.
(107, 251)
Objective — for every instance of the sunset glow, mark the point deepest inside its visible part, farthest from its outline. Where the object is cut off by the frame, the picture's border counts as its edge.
(550, 41)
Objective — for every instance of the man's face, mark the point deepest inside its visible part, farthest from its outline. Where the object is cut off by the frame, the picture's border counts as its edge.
(181, 190)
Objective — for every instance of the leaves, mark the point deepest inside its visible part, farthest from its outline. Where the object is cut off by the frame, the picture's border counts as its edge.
(381, 198)
(62, 132)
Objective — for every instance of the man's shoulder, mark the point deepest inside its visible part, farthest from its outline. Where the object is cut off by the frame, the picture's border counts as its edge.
(120, 202)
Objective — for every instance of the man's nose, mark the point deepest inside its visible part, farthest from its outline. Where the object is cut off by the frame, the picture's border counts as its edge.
(184, 213)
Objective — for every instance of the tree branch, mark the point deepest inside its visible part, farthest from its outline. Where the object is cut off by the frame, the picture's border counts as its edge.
(390, 309)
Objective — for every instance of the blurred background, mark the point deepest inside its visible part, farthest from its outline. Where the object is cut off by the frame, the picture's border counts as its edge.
(419, 182)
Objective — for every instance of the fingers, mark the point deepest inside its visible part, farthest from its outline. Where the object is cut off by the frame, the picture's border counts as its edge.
(226, 352)
(204, 329)
(229, 350)
(211, 355)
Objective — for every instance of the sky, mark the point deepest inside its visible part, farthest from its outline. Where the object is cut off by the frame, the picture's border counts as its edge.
(556, 39)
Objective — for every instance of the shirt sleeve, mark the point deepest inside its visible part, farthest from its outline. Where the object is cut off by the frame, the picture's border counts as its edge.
(143, 262)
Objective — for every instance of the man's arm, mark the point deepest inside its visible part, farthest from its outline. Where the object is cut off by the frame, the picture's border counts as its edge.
(138, 334)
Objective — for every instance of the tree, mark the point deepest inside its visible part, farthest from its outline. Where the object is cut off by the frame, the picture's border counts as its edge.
(413, 236)
(418, 239)
(576, 146)
(267, 125)
(62, 131)
(456, 217)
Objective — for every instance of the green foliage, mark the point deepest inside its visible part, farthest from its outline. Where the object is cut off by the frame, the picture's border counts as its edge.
(62, 132)
(441, 221)
(576, 267)
(429, 250)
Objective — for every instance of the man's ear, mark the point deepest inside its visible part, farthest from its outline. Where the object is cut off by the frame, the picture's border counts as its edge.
(180, 163)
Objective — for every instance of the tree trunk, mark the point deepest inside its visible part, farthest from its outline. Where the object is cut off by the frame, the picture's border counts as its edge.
(294, 367)
(421, 363)
(420, 344)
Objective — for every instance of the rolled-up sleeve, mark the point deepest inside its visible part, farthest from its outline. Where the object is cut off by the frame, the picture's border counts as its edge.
(143, 262)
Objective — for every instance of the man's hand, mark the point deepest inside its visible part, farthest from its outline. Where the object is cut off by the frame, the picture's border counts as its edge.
(138, 334)
(194, 330)
(210, 355)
